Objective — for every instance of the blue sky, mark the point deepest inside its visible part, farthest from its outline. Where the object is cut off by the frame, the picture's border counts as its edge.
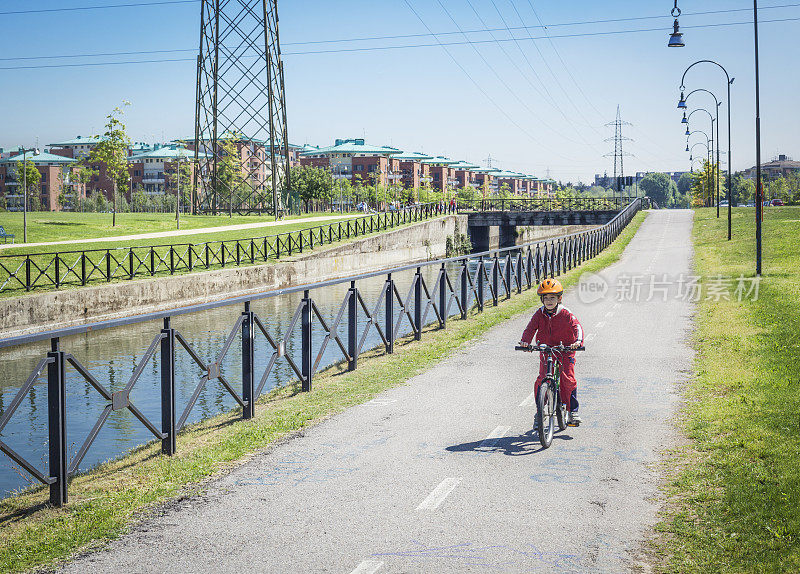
(538, 105)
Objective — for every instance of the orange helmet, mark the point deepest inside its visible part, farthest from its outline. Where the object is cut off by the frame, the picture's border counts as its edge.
(550, 286)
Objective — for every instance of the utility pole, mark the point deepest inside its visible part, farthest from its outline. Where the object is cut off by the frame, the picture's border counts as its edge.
(241, 96)
(619, 154)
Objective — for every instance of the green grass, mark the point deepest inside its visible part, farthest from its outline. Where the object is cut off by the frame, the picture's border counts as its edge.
(44, 226)
(734, 500)
(106, 500)
(119, 251)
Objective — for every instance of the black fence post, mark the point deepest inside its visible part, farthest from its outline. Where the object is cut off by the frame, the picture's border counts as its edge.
(168, 388)
(238, 253)
(57, 423)
(508, 275)
(130, 262)
(306, 342)
(443, 297)
(519, 272)
(480, 283)
(389, 314)
(27, 273)
(83, 268)
(108, 265)
(418, 304)
(152, 261)
(529, 267)
(171, 260)
(352, 327)
(464, 288)
(248, 360)
(495, 280)
(58, 271)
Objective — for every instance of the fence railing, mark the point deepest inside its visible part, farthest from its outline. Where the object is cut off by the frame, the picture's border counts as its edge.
(471, 282)
(48, 271)
(545, 204)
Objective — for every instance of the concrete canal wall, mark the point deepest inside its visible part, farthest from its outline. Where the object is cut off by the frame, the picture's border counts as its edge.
(57, 309)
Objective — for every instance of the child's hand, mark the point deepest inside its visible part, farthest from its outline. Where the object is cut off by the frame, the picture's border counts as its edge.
(575, 345)
(524, 344)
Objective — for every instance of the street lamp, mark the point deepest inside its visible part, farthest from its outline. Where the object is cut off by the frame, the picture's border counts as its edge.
(25, 190)
(712, 144)
(716, 110)
(676, 38)
(709, 151)
(729, 82)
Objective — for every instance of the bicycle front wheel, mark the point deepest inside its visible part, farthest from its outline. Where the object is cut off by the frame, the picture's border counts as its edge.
(562, 414)
(545, 413)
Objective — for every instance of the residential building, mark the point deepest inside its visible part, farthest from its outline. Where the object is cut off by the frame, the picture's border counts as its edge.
(782, 165)
(56, 181)
(357, 161)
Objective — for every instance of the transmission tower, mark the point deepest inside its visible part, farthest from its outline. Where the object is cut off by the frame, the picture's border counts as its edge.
(619, 154)
(240, 136)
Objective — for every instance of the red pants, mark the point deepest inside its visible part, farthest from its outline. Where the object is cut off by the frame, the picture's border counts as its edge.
(568, 381)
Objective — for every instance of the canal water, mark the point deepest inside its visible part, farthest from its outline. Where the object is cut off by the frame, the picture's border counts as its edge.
(112, 355)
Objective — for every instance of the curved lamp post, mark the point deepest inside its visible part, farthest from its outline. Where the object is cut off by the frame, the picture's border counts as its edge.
(712, 148)
(730, 165)
(716, 110)
(709, 153)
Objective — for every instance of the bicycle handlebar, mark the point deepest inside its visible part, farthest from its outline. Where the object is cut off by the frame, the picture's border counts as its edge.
(547, 348)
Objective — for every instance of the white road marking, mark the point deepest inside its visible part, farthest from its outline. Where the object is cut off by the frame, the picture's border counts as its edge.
(601, 324)
(380, 402)
(609, 313)
(496, 434)
(368, 567)
(589, 337)
(435, 498)
(616, 306)
(530, 401)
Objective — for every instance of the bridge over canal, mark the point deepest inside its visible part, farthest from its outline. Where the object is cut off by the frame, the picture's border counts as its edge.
(508, 214)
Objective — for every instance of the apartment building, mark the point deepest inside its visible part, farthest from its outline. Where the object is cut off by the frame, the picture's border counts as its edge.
(56, 179)
(357, 161)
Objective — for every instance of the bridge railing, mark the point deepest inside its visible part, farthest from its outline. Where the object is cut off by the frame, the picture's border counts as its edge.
(20, 273)
(461, 284)
(545, 204)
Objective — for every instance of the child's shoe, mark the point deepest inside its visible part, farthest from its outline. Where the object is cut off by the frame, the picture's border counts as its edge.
(574, 419)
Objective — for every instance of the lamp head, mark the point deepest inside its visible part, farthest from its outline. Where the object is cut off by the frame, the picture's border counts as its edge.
(684, 120)
(682, 102)
(687, 147)
(676, 38)
(687, 131)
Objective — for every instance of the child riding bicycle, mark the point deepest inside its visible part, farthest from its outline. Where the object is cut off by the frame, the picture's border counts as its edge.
(554, 324)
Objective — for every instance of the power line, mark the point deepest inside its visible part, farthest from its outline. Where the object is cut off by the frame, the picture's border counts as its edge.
(477, 85)
(76, 8)
(368, 49)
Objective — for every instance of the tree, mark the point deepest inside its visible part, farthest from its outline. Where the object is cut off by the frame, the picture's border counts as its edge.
(29, 178)
(230, 185)
(312, 183)
(685, 183)
(659, 187)
(112, 151)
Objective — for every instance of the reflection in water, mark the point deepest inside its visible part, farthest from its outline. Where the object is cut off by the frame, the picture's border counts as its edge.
(112, 355)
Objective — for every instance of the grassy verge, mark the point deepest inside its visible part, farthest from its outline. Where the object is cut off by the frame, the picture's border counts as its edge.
(66, 225)
(104, 501)
(733, 502)
(120, 256)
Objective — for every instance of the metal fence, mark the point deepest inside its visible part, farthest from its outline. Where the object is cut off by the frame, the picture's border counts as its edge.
(48, 271)
(472, 281)
(545, 204)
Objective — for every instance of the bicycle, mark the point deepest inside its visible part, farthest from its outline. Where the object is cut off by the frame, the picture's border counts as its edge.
(548, 399)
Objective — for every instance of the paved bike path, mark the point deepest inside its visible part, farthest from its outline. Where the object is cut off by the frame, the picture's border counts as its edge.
(443, 474)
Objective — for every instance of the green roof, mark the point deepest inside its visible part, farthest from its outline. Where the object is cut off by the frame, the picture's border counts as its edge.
(42, 157)
(79, 140)
(354, 146)
(413, 156)
(439, 160)
(166, 152)
(464, 165)
(491, 170)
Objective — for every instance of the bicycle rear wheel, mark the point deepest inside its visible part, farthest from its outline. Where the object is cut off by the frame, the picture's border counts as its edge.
(545, 413)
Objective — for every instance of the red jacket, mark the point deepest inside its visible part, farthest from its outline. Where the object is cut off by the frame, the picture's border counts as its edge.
(560, 327)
